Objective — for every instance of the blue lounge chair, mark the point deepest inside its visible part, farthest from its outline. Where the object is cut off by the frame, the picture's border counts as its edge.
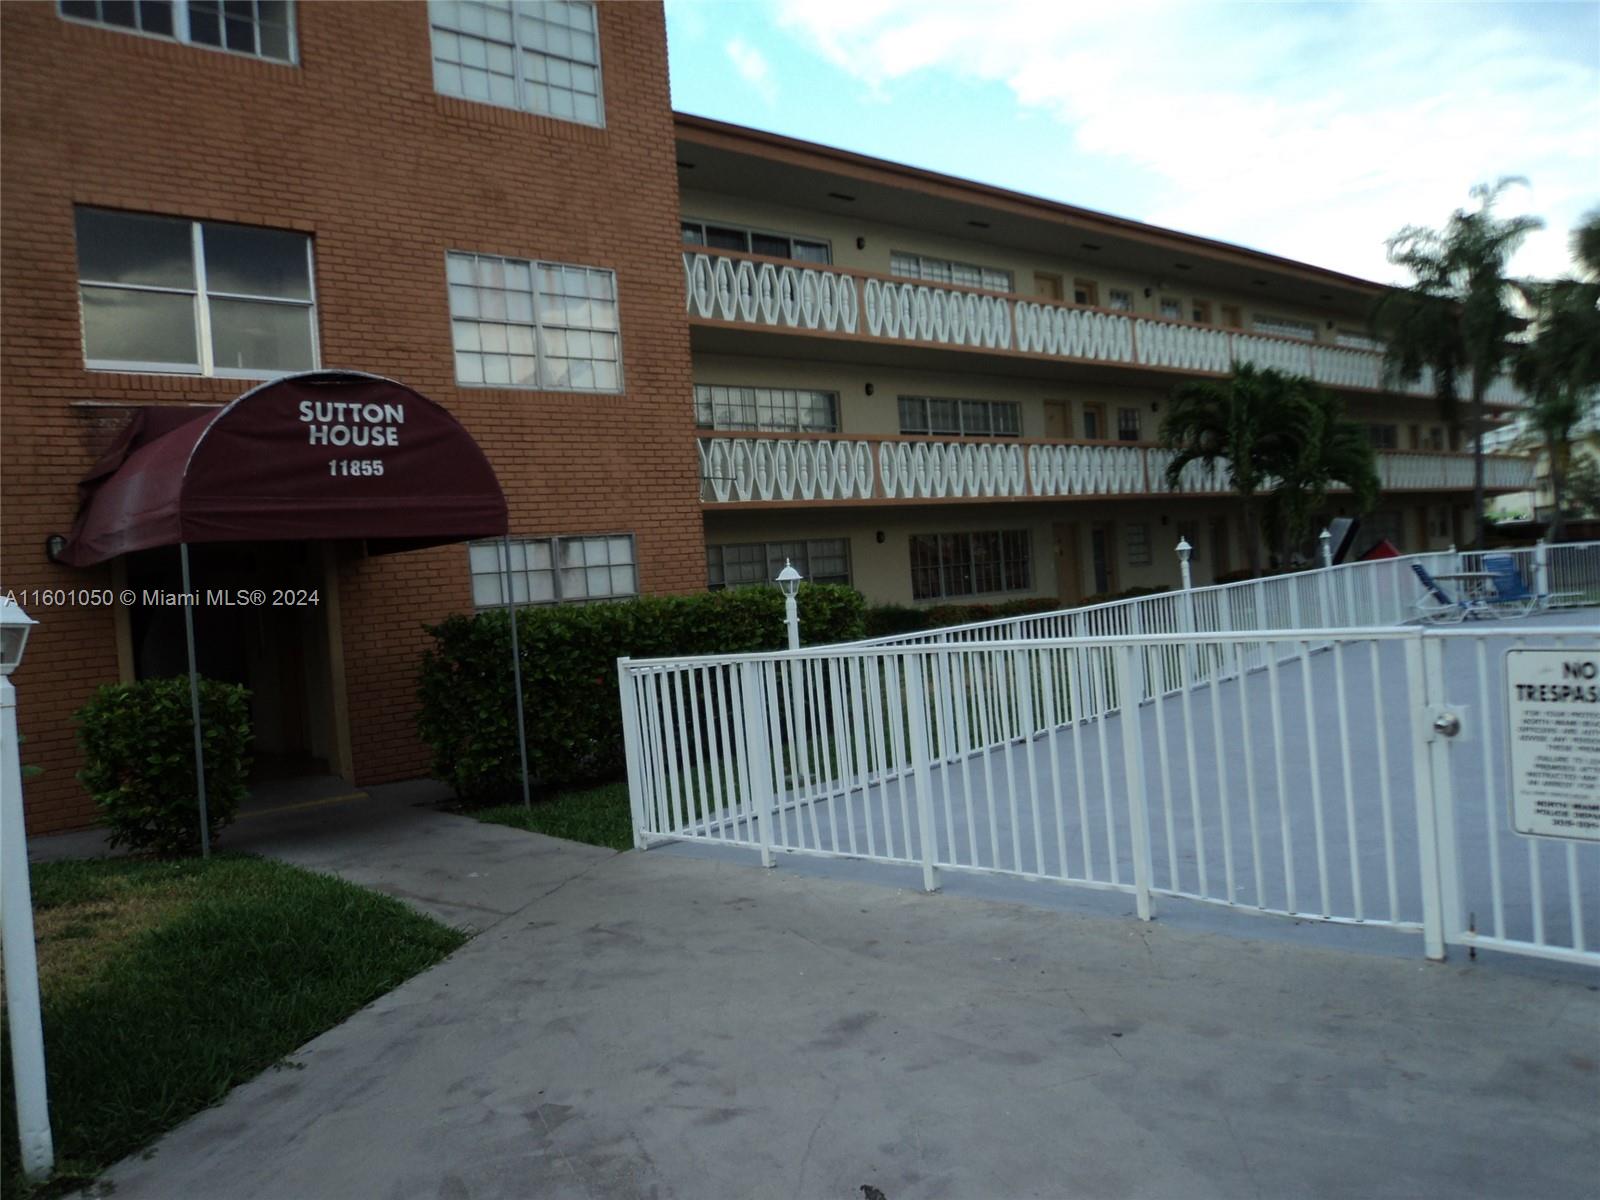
(1511, 594)
(1439, 606)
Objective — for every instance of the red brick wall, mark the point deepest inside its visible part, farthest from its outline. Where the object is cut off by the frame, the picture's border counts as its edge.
(354, 147)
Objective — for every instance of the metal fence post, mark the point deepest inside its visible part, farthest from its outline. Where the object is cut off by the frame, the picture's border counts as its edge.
(1424, 781)
(1541, 568)
(1133, 768)
(630, 751)
(917, 724)
(761, 712)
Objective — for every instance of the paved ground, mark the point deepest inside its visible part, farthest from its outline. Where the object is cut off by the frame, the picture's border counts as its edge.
(652, 1025)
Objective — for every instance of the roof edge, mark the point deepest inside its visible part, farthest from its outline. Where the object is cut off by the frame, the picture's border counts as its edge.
(729, 135)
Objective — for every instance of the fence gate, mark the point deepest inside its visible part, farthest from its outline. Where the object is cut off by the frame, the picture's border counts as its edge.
(1356, 776)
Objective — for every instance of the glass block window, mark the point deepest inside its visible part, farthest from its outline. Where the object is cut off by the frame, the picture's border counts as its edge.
(553, 570)
(1128, 425)
(960, 418)
(1120, 299)
(194, 297)
(259, 28)
(542, 56)
(534, 324)
(777, 410)
(945, 565)
(944, 270)
(1284, 327)
(755, 241)
(1138, 536)
(819, 560)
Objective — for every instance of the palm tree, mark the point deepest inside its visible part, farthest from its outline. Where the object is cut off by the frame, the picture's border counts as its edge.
(1456, 318)
(1326, 450)
(1245, 425)
(1559, 365)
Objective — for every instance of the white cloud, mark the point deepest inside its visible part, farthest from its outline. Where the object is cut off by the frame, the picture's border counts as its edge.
(1309, 131)
(753, 68)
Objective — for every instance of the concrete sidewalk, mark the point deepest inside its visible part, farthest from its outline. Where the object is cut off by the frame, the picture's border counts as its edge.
(652, 1025)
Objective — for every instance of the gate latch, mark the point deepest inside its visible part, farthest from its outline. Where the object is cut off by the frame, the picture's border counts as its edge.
(1444, 720)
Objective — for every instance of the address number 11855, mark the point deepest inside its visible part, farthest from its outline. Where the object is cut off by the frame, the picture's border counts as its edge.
(355, 466)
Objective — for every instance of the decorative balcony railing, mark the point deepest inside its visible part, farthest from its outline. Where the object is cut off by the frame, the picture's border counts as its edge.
(766, 292)
(768, 468)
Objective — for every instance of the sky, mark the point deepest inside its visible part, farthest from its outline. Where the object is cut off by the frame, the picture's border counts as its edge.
(1310, 130)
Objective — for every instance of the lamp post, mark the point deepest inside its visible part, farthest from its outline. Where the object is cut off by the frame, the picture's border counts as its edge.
(1184, 551)
(1325, 541)
(16, 912)
(789, 582)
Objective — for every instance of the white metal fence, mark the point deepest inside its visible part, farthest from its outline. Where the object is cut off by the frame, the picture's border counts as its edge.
(1293, 773)
(1377, 593)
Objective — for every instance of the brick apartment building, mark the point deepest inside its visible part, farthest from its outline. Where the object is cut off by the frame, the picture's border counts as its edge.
(689, 350)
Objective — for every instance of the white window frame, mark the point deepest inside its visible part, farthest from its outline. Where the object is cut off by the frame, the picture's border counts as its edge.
(201, 296)
(900, 262)
(521, 83)
(705, 402)
(180, 33)
(1284, 327)
(753, 231)
(554, 545)
(1012, 406)
(766, 548)
(538, 326)
(944, 593)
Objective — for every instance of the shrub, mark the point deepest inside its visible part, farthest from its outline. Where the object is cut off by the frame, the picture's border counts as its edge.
(887, 620)
(569, 676)
(138, 746)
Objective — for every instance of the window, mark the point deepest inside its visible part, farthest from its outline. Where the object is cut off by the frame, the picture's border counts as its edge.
(960, 418)
(534, 324)
(943, 270)
(259, 28)
(1384, 437)
(1284, 327)
(819, 560)
(1121, 300)
(1047, 286)
(970, 564)
(781, 410)
(554, 570)
(1138, 545)
(1085, 291)
(1357, 341)
(754, 241)
(193, 297)
(1127, 424)
(1172, 308)
(542, 56)
(1093, 419)
(1231, 317)
(1439, 521)
(1200, 312)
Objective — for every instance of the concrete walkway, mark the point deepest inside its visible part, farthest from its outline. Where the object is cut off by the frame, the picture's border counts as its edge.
(653, 1025)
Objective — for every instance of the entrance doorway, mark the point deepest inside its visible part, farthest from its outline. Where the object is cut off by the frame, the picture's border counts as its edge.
(1103, 553)
(1069, 572)
(261, 619)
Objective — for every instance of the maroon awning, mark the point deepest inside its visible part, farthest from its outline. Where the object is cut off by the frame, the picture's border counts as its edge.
(327, 455)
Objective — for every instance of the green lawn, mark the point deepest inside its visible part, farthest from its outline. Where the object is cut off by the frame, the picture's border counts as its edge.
(165, 984)
(599, 816)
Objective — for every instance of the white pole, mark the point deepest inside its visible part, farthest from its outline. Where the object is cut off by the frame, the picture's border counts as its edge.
(194, 704)
(1184, 551)
(1326, 539)
(1541, 571)
(21, 961)
(516, 672)
(791, 618)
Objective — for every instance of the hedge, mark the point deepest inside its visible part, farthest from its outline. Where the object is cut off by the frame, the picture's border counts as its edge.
(887, 620)
(138, 749)
(569, 676)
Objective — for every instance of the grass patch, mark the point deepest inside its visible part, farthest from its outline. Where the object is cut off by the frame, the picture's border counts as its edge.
(165, 984)
(599, 816)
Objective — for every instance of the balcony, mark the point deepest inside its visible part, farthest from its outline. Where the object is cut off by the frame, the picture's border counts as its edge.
(763, 293)
(777, 468)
